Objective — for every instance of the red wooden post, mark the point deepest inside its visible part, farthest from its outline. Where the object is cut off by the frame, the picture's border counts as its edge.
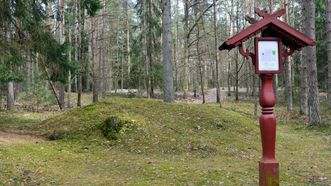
(268, 166)
(293, 40)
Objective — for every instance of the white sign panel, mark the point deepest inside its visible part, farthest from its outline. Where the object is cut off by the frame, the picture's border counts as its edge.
(268, 55)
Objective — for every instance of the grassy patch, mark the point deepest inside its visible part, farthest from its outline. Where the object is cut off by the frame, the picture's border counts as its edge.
(156, 143)
(22, 122)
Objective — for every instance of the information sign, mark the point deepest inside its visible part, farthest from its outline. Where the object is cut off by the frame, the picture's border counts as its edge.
(268, 55)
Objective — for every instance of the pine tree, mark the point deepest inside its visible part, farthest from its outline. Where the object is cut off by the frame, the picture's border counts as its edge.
(167, 52)
(328, 29)
(313, 92)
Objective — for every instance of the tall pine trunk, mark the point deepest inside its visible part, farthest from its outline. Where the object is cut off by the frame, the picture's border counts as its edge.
(186, 51)
(60, 38)
(10, 96)
(167, 52)
(218, 99)
(69, 75)
(200, 65)
(313, 93)
(177, 43)
(81, 21)
(150, 47)
(128, 38)
(95, 87)
(147, 67)
(101, 26)
(304, 71)
(288, 70)
(328, 27)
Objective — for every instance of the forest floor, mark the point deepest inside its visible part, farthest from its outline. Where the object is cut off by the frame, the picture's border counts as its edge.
(157, 144)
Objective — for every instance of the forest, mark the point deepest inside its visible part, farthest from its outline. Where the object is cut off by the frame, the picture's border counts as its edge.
(53, 51)
(85, 79)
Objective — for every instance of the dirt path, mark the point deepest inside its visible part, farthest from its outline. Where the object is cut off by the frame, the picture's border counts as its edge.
(210, 97)
(11, 138)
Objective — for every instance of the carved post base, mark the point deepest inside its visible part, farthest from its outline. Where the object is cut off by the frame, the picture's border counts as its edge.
(268, 166)
(269, 173)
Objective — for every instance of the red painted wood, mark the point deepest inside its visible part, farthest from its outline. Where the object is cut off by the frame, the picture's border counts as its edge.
(264, 14)
(270, 26)
(294, 33)
(261, 13)
(269, 173)
(291, 37)
(268, 165)
(247, 33)
(245, 52)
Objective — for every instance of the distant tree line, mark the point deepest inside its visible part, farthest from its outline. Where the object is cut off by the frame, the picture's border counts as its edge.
(61, 47)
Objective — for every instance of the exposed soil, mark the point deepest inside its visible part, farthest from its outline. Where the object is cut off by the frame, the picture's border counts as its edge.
(11, 138)
(210, 97)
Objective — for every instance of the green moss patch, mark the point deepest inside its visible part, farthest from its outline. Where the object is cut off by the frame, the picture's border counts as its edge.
(152, 126)
(114, 126)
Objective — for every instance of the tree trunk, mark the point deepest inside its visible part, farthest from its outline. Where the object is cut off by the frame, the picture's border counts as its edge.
(313, 93)
(29, 72)
(186, 51)
(202, 82)
(304, 71)
(237, 76)
(288, 83)
(328, 27)
(10, 96)
(147, 69)
(110, 71)
(95, 87)
(167, 52)
(229, 77)
(101, 51)
(76, 44)
(98, 45)
(176, 43)
(303, 83)
(122, 72)
(288, 70)
(69, 75)
(69, 91)
(41, 61)
(205, 68)
(175, 64)
(200, 66)
(81, 20)
(218, 99)
(62, 95)
(149, 51)
(60, 38)
(128, 37)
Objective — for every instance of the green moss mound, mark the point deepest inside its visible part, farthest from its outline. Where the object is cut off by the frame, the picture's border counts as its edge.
(152, 126)
(114, 126)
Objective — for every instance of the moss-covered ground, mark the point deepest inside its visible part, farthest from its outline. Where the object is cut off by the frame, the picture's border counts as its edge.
(159, 144)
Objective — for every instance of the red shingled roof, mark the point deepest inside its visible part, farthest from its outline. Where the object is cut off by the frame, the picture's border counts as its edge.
(273, 27)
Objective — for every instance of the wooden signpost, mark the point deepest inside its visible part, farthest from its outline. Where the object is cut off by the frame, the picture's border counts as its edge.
(267, 59)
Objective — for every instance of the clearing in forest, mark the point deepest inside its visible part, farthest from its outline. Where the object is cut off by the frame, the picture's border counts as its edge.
(122, 141)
